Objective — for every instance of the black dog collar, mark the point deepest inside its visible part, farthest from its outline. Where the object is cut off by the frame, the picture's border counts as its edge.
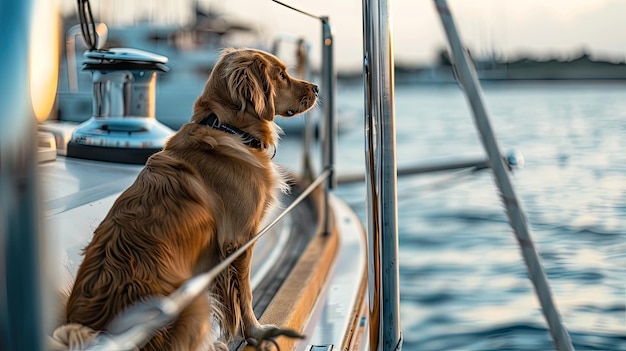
(213, 122)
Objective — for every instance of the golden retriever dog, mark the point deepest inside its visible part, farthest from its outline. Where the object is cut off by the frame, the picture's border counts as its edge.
(194, 203)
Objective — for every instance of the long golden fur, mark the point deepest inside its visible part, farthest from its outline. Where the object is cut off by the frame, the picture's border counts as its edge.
(193, 204)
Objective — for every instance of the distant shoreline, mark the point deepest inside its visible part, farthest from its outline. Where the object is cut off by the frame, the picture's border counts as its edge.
(582, 68)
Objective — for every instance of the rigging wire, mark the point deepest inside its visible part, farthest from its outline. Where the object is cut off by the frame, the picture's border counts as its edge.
(449, 181)
(514, 209)
(87, 24)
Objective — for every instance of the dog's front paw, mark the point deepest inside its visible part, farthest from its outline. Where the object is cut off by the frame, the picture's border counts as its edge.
(260, 337)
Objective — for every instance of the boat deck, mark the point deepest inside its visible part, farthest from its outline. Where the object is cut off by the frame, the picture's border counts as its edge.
(301, 278)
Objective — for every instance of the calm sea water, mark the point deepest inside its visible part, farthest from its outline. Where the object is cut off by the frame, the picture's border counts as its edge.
(463, 283)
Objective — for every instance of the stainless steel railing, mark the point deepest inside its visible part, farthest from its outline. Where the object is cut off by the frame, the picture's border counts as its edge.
(380, 158)
(329, 81)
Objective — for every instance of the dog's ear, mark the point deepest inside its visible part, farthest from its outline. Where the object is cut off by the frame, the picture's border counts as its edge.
(249, 82)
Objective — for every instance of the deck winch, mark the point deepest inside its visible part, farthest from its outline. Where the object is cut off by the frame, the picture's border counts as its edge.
(123, 127)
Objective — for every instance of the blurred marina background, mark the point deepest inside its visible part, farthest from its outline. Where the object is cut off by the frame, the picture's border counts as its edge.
(554, 74)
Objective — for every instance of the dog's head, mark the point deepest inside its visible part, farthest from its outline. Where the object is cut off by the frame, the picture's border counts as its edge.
(253, 81)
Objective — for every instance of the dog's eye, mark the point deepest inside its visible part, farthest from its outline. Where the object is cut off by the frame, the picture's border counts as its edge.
(282, 75)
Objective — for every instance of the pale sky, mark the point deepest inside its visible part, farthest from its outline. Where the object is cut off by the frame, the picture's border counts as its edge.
(507, 27)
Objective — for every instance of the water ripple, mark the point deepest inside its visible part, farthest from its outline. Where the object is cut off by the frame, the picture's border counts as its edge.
(463, 283)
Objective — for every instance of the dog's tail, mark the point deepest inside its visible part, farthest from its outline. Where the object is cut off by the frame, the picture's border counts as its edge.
(72, 337)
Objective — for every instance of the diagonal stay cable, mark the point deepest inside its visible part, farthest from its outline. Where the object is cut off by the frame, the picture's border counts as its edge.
(517, 218)
(137, 324)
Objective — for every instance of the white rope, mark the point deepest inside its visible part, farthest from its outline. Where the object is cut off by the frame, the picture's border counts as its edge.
(469, 81)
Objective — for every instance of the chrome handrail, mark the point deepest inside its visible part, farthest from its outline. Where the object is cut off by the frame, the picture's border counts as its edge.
(380, 158)
(137, 324)
(329, 80)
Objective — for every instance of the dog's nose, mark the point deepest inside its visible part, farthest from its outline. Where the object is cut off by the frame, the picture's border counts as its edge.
(315, 89)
